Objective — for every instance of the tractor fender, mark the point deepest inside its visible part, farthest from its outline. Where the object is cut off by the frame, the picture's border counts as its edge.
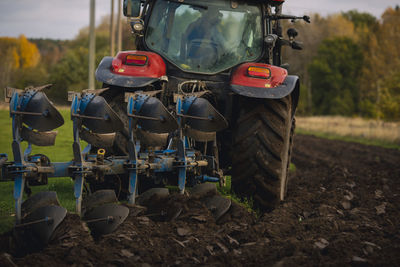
(290, 84)
(104, 74)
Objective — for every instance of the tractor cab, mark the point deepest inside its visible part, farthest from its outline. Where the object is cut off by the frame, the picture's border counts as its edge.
(205, 36)
(210, 37)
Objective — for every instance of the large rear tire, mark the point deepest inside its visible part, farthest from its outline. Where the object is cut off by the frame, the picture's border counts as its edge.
(262, 142)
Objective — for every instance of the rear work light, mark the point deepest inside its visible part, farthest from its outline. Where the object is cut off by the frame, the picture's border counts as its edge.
(259, 72)
(136, 60)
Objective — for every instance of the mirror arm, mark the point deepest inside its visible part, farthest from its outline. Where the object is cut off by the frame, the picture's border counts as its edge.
(293, 18)
(293, 44)
(285, 42)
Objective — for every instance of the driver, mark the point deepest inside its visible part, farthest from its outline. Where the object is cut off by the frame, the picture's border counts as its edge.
(205, 30)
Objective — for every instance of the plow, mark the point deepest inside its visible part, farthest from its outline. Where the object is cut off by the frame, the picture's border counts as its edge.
(184, 111)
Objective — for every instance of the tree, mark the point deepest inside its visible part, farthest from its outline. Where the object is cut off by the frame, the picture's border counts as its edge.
(312, 36)
(334, 74)
(62, 63)
(29, 55)
(18, 55)
(361, 20)
(51, 51)
(380, 71)
(70, 74)
(389, 104)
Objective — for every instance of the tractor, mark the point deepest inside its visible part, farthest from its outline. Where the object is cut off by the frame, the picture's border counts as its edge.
(205, 95)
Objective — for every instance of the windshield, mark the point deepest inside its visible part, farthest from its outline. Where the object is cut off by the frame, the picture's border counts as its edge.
(205, 36)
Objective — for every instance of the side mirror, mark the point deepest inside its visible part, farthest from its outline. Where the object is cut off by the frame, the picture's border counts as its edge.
(292, 33)
(297, 45)
(132, 8)
(307, 19)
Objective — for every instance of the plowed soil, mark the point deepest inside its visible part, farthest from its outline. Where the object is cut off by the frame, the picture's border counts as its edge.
(343, 208)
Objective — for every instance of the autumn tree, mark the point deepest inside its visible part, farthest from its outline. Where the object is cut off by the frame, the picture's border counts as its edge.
(18, 55)
(51, 51)
(312, 35)
(334, 76)
(389, 103)
(379, 89)
(361, 19)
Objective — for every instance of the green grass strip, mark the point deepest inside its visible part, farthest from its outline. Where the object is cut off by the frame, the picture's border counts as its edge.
(360, 140)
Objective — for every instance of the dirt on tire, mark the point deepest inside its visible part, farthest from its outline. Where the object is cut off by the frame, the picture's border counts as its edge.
(342, 207)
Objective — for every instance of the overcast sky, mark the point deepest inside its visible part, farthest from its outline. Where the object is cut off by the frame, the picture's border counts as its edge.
(62, 19)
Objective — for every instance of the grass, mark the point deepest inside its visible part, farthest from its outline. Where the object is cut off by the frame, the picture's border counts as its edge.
(360, 140)
(292, 168)
(364, 131)
(247, 203)
(226, 191)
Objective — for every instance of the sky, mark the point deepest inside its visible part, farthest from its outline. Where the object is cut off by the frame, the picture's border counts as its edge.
(62, 19)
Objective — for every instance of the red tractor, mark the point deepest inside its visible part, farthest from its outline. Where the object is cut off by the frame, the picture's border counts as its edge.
(204, 96)
(229, 54)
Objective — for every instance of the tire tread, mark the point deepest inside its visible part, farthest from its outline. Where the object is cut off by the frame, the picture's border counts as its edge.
(262, 150)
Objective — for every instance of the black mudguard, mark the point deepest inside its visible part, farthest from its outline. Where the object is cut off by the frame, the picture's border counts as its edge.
(288, 86)
(104, 74)
(291, 85)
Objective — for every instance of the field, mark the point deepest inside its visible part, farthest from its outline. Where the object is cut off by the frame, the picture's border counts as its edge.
(343, 207)
(366, 131)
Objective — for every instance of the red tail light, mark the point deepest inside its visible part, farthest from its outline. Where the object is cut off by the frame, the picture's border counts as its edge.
(136, 60)
(259, 72)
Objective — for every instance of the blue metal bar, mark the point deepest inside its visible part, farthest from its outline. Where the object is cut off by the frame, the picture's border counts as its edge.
(132, 186)
(61, 168)
(78, 157)
(24, 100)
(84, 101)
(78, 187)
(187, 102)
(138, 103)
(87, 149)
(181, 150)
(165, 162)
(19, 184)
(132, 149)
(27, 151)
(19, 181)
(206, 178)
(182, 179)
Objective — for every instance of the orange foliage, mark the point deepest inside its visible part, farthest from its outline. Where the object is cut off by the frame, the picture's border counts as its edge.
(18, 53)
(29, 53)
